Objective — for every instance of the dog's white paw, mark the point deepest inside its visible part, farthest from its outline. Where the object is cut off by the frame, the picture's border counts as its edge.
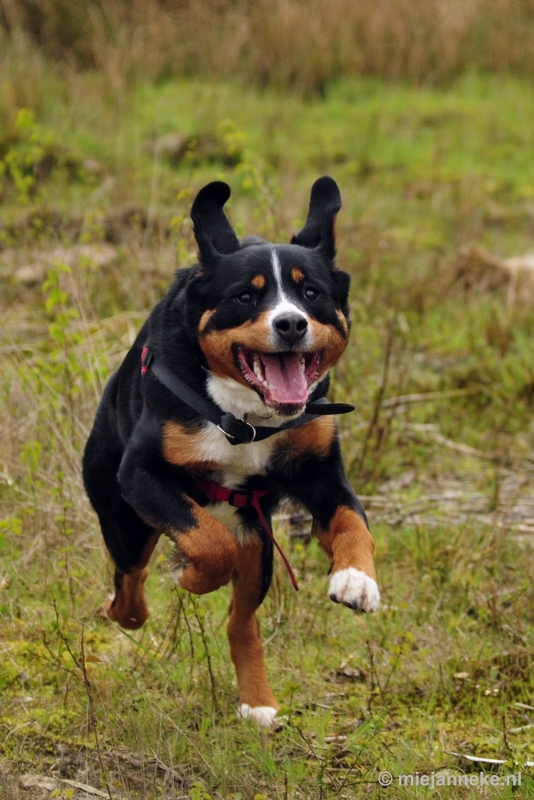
(354, 589)
(260, 715)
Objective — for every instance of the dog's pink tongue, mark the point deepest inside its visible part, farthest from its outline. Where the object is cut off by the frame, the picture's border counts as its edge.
(285, 376)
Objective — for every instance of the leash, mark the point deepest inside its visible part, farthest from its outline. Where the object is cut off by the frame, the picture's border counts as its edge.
(237, 431)
(216, 492)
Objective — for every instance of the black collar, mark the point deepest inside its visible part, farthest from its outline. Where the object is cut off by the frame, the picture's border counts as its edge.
(237, 431)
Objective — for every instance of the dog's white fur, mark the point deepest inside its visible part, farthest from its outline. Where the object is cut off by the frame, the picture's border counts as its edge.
(353, 587)
(261, 715)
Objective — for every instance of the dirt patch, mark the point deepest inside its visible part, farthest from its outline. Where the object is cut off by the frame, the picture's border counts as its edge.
(448, 499)
(116, 226)
(125, 774)
(478, 270)
(34, 272)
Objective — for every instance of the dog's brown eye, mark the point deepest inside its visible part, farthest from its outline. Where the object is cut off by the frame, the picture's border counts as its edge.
(245, 298)
(311, 293)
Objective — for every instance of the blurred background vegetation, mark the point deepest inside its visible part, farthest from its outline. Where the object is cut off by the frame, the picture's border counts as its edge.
(290, 44)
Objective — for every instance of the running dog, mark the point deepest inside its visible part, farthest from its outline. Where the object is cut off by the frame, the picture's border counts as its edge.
(217, 414)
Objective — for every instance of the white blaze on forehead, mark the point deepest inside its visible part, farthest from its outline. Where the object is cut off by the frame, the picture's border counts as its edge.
(277, 270)
(282, 303)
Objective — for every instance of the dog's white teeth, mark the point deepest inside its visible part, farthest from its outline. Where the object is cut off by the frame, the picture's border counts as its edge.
(302, 362)
(258, 372)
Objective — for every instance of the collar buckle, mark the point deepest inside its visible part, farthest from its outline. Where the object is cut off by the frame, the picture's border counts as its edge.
(229, 436)
(237, 439)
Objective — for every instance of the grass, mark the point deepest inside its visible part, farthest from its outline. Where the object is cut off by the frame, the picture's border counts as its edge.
(282, 43)
(427, 176)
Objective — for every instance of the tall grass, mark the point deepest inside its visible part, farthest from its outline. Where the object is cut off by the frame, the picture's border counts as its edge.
(298, 44)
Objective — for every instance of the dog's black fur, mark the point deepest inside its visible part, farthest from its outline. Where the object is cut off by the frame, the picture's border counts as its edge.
(255, 327)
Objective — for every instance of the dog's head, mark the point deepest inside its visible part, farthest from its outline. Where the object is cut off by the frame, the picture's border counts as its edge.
(272, 319)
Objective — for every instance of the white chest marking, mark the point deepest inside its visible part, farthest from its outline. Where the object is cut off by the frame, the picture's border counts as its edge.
(227, 514)
(236, 464)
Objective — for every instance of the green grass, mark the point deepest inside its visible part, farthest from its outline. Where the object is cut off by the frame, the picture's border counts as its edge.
(424, 175)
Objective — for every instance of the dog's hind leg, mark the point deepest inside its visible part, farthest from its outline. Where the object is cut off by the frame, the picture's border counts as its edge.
(129, 540)
(128, 606)
(251, 579)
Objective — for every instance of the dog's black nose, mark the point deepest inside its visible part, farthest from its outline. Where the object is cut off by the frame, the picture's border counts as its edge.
(291, 327)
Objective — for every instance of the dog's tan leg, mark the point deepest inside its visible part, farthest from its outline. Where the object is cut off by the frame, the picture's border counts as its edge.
(256, 700)
(129, 607)
(205, 555)
(351, 547)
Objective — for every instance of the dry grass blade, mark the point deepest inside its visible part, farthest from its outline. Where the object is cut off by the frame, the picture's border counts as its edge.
(427, 397)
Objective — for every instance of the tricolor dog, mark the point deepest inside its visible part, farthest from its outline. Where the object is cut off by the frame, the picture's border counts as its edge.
(217, 414)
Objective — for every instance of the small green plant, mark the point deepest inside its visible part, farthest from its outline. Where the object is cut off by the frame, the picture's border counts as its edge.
(60, 370)
(198, 792)
(30, 154)
(254, 179)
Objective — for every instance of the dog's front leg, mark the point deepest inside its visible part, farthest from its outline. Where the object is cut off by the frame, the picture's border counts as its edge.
(350, 546)
(340, 524)
(256, 700)
(205, 553)
(206, 550)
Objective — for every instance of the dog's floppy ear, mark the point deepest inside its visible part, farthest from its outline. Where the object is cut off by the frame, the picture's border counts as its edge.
(325, 202)
(214, 234)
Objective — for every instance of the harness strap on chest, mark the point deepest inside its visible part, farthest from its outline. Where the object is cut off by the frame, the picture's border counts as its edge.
(217, 493)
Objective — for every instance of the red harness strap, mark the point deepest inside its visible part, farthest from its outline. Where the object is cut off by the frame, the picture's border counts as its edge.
(144, 354)
(216, 492)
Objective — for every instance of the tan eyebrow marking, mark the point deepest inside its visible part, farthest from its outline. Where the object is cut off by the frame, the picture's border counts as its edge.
(258, 281)
(204, 319)
(297, 275)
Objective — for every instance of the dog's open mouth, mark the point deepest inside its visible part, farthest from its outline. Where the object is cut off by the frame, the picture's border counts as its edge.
(282, 378)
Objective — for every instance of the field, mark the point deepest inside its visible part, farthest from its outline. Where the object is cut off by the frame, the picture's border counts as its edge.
(438, 191)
